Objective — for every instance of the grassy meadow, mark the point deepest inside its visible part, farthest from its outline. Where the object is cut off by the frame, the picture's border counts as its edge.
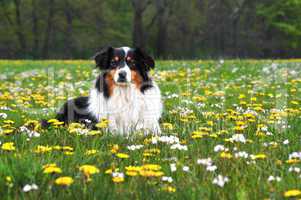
(230, 130)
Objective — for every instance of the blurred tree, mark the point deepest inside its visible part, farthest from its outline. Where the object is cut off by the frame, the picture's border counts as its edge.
(167, 28)
(284, 16)
(139, 7)
(49, 26)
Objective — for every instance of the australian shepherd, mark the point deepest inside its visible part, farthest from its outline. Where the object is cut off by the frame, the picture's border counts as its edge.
(123, 93)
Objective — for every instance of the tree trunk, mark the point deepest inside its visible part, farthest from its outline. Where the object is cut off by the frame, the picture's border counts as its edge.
(68, 30)
(19, 27)
(35, 46)
(138, 32)
(162, 17)
(48, 30)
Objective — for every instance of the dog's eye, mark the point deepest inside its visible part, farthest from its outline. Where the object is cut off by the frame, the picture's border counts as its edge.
(116, 58)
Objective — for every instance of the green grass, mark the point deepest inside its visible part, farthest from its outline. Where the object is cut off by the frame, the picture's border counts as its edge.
(207, 97)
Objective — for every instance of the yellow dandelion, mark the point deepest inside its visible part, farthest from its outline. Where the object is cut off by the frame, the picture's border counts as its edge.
(151, 173)
(88, 169)
(115, 148)
(91, 152)
(133, 168)
(103, 123)
(122, 155)
(153, 167)
(169, 189)
(168, 126)
(226, 155)
(292, 193)
(131, 173)
(64, 181)
(8, 121)
(8, 146)
(258, 156)
(293, 161)
(51, 169)
(118, 179)
(43, 149)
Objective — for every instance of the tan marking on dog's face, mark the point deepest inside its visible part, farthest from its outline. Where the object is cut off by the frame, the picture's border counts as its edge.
(110, 81)
(136, 78)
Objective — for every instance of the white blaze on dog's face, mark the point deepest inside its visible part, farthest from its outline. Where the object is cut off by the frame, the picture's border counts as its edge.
(120, 60)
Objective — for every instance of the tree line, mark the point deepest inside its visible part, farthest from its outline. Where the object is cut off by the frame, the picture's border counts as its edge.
(169, 29)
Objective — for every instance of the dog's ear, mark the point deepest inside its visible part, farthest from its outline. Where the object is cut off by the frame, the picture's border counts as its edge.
(146, 59)
(103, 57)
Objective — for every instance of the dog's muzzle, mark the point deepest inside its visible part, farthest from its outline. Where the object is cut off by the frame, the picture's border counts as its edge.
(122, 77)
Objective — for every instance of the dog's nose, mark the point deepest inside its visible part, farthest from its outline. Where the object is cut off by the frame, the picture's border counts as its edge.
(122, 74)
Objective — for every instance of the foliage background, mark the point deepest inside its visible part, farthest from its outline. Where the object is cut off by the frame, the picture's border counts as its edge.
(167, 28)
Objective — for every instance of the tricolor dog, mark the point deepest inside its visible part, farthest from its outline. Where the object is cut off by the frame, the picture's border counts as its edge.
(124, 93)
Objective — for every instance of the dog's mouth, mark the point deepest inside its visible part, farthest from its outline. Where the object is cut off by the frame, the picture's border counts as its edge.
(122, 82)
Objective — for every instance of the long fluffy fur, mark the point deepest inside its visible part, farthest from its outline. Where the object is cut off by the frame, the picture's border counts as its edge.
(137, 106)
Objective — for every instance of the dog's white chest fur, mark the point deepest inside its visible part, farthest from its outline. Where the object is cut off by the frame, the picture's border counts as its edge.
(127, 109)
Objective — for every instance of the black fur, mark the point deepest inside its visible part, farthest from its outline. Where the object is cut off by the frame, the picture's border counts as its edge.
(103, 58)
(144, 63)
(102, 86)
(75, 110)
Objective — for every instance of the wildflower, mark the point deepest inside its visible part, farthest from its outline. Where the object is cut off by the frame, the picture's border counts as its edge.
(9, 181)
(91, 152)
(296, 155)
(211, 168)
(117, 177)
(134, 147)
(8, 146)
(225, 155)
(8, 131)
(185, 168)
(166, 139)
(219, 147)
(64, 181)
(167, 179)
(170, 189)
(294, 169)
(241, 154)
(238, 138)
(103, 123)
(122, 155)
(272, 178)
(115, 148)
(168, 126)
(258, 156)
(179, 147)
(293, 161)
(42, 149)
(292, 193)
(131, 173)
(55, 122)
(173, 167)
(51, 169)
(206, 162)
(3, 115)
(28, 187)
(151, 173)
(8, 121)
(151, 167)
(220, 180)
(93, 132)
(88, 170)
(133, 170)
(109, 171)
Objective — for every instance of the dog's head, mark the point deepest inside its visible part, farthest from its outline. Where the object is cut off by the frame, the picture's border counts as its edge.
(125, 65)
